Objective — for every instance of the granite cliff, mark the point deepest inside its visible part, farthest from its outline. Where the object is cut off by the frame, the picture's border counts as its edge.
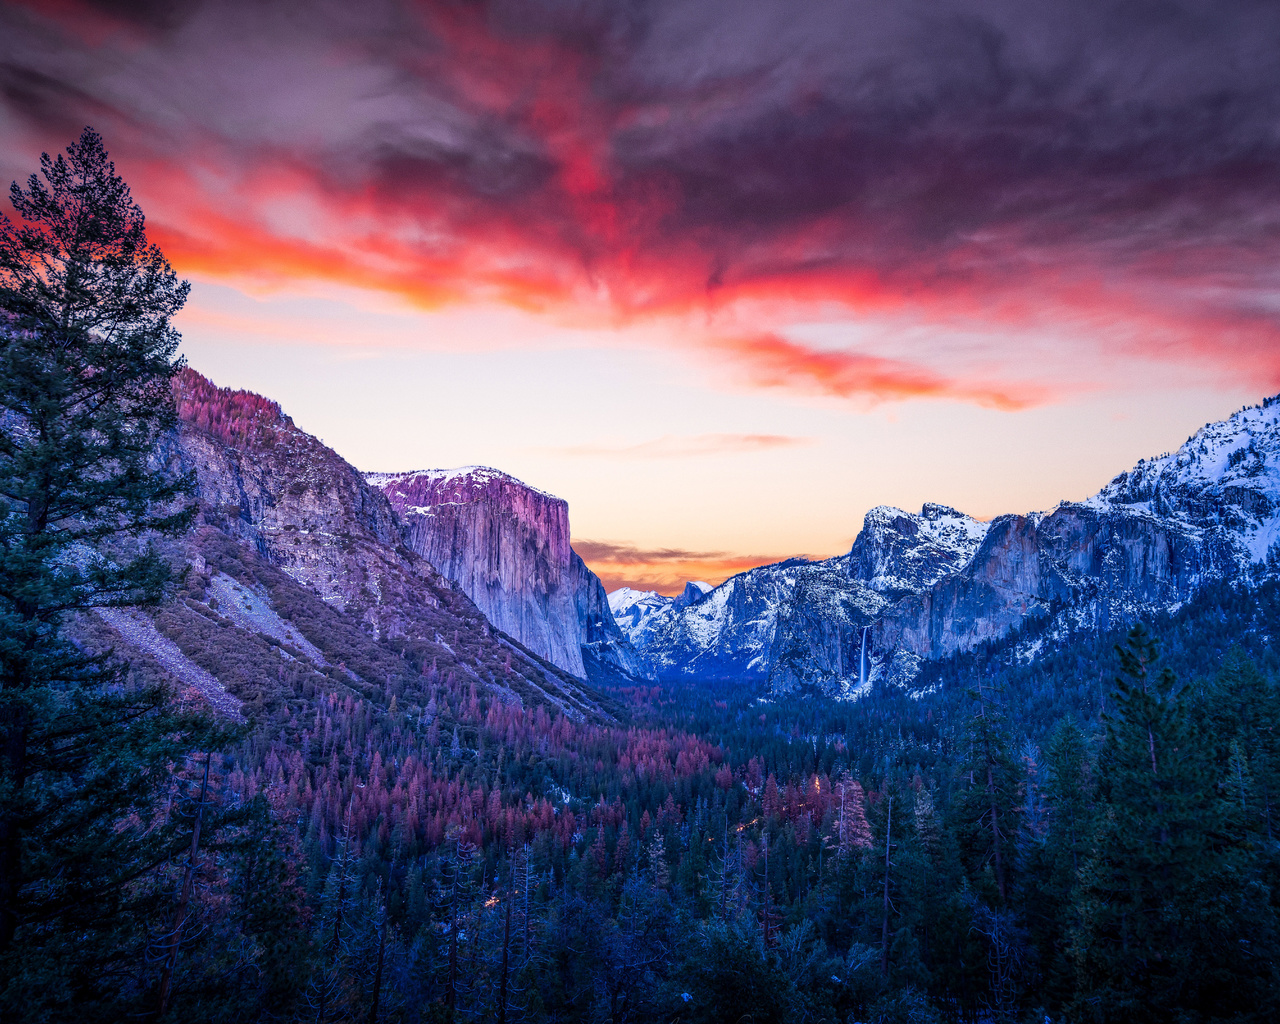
(922, 587)
(506, 545)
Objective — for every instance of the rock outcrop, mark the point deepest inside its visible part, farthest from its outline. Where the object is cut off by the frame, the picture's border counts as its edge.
(507, 547)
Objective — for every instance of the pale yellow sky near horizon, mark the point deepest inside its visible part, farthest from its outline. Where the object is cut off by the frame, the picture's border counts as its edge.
(659, 449)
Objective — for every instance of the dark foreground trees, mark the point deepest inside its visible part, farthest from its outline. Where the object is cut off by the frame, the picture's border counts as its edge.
(87, 353)
(1175, 911)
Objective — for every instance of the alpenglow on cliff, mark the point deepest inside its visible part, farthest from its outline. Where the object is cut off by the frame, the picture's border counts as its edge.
(506, 545)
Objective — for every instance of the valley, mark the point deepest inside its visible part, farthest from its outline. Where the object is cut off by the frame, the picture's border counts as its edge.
(442, 704)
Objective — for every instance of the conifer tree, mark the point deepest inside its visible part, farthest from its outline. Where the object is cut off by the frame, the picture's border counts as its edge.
(86, 363)
(1242, 712)
(1053, 866)
(1171, 921)
(990, 804)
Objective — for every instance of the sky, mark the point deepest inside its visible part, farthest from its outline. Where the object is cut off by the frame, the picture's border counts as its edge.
(723, 274)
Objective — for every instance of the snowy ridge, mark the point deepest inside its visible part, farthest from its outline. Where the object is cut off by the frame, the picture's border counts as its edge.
(897, 552)
(760, 623)
(919, 587)
(1227, 476)
(731, 630)
(635, 606)
(1242, 449)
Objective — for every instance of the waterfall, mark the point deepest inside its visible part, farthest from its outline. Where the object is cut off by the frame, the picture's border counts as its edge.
(862, 660)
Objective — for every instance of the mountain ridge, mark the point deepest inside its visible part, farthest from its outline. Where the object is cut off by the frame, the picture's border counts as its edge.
(299, 569)
(920, 587)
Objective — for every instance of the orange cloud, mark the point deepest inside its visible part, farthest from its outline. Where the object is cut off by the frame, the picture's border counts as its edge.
(773, 361)
(665, 570)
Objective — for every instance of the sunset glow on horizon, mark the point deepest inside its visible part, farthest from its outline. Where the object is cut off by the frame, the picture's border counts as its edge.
(721, 276)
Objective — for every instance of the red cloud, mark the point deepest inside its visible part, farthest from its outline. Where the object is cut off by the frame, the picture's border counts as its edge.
(543, 165)
(772, 361)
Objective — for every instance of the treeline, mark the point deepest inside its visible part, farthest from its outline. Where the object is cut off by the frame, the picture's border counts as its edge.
(236, 417)
(468, 860)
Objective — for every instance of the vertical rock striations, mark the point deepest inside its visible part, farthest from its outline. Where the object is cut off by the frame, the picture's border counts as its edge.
(506, 545)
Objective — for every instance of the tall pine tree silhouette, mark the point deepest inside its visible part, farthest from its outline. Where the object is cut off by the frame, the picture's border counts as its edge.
(86, 363)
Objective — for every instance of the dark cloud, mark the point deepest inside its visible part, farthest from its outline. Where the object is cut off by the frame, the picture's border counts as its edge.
(148, 14)
(959, 155)
(50, 102)
(927, 123)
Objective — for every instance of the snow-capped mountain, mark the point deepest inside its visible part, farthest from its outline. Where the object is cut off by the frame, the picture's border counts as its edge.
(897, 552)
(506, 545)
(1226, 477)
(791, 623)
(636, 611)
(920, 587)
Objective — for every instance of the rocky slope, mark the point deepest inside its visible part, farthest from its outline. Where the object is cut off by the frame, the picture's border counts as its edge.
(297, 556)
(919, 587)
(799, 622)
(506, 545)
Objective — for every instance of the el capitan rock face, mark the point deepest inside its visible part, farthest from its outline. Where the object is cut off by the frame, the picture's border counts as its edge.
(285, 523)
(506, 545)
(918, 587)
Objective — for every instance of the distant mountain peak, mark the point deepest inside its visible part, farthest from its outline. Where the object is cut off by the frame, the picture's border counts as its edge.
(924, 586)
(694, 591)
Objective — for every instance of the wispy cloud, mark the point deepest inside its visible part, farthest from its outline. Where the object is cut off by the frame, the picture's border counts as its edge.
(672, 446)
(630, 554)
(770, 360)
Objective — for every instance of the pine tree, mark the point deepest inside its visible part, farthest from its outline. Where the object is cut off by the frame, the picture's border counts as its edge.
(1053, 866)
(333, 985)
(853, 832)
(1241, 710)
(990, 805)
(1172, 920)
(86, 364)
(457, 899)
